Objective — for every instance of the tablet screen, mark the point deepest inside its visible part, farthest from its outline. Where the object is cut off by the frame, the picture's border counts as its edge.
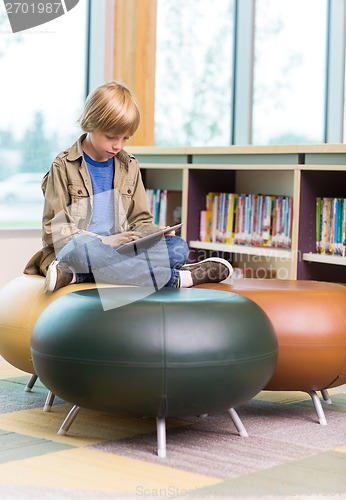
(149, 238)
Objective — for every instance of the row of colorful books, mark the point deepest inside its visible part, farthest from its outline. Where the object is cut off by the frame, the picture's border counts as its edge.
(165, 206)
(247, 219)
(331, 226)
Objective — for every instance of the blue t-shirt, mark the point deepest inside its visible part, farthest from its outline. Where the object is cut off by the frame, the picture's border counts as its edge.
(102, 175)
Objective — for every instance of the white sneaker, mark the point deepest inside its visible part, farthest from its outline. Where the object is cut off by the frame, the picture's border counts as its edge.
(58, 275)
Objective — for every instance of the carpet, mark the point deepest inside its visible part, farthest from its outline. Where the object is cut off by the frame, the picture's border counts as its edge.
(287, 454)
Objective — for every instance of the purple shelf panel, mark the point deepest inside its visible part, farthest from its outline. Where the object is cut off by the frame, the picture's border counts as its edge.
(202, 182)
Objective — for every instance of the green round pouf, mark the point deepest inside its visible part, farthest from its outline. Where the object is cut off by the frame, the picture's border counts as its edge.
(176, 352)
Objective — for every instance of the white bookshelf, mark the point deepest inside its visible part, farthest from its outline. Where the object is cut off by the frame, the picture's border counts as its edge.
(303, 172)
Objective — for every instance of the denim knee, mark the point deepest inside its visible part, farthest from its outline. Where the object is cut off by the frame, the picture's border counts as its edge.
(76, 252)
(178, 251)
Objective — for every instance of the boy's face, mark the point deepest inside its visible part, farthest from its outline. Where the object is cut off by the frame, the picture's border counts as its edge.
(101, 146)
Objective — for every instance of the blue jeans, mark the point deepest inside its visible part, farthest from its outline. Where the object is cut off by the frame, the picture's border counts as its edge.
(158, 264)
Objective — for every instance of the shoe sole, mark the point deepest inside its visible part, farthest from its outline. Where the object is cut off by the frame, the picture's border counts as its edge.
(51, 278)
(188, 267)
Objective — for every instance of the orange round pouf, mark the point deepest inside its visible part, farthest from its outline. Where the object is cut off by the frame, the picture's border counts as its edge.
(309, 319)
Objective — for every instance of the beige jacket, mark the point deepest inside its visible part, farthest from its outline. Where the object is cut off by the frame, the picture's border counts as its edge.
(68, 202)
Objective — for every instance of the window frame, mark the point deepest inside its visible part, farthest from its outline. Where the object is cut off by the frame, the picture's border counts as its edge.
(335, 72)
(100, 50)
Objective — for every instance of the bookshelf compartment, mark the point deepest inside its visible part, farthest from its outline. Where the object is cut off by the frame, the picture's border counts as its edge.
(166, 185)
(314, 184)
(248, 259)
(200, 183)
(254, 185)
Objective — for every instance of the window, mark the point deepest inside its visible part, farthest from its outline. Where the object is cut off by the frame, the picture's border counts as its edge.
(193, 95)
(43, 88)
(289, 71)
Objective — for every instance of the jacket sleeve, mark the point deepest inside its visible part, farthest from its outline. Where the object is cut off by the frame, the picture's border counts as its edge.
(63, 212)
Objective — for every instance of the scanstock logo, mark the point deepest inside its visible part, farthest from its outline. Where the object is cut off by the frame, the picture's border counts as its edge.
(26, 15)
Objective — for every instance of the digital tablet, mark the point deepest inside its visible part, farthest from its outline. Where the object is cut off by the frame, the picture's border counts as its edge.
(150, 238)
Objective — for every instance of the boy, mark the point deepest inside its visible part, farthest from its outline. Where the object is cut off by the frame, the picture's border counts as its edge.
(95, 201)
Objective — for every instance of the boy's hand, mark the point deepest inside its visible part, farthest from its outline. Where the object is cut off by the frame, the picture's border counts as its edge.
(115, 240)
(171, 233)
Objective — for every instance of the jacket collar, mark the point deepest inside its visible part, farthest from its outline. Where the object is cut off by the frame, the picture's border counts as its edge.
(75, 152)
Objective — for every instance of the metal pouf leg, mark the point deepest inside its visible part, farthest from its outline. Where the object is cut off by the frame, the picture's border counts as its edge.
(31, 383)
(238, 423)
(68, 420)
(326, 397)
(161, 437)
(49, 401)
(318, 407)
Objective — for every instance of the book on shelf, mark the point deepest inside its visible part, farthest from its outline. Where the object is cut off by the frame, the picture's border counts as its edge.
(203, 226)
(331, 226)
(247, 219)
(232, 201)
(165, 206)
(212, 202)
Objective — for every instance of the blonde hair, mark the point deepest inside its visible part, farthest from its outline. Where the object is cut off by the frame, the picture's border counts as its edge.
(111, 108)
